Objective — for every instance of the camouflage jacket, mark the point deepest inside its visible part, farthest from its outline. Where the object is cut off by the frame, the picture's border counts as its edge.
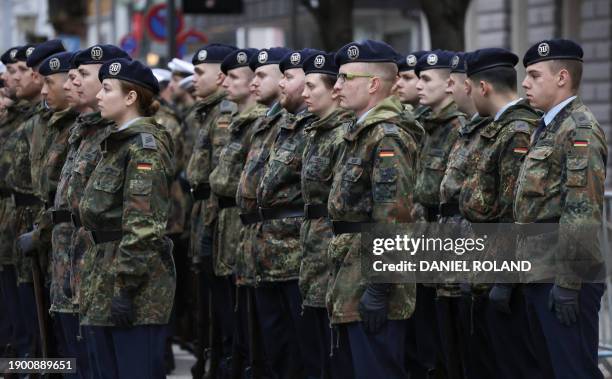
(212, 118)
(15, 115)
(373, 183)
(128, 192)
(224, 183)
(19, 179)
(459, 165)
(246, 194)
(47, 164)
(279, 251)
(562, 178)
(324, 147)
(442, 132)
(488, 193)
(69, 243)
(180, 200)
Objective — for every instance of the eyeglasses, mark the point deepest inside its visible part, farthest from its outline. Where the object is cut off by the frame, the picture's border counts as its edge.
(344, 76)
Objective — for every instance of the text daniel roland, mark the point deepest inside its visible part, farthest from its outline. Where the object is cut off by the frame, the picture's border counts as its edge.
(453, 266)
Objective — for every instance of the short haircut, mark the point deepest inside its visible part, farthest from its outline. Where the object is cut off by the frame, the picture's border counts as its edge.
(386, 71)
(574, 67)
(328, 81)
(503, 79)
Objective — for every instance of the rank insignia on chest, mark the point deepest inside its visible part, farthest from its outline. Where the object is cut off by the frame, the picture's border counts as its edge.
(521, 150)
(386, 153)
(581, 143)
(144, 166)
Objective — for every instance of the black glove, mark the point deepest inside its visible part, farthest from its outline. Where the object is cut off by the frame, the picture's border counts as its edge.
(499, 296)
(373, 307)
(122, 310)
(25, 243)
(564, 302)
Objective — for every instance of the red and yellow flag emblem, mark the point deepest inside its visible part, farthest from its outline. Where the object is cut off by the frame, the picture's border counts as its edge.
(521, 150)
(386, 153)
(581, 143)
(144, 166)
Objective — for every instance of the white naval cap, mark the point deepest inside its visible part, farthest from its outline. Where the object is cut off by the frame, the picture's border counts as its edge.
(162, 75)
(179, 65)
(186, 83)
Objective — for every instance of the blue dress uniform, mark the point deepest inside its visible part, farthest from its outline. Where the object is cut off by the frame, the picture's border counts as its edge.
(561, 186)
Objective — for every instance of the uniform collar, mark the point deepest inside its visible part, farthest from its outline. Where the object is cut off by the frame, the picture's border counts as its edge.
(550, 115)
(127, 124)
(505, 108)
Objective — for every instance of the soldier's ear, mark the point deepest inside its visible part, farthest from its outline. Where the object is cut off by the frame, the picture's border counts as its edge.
(374, 84)
(220, 78)
(563, 78)
(484, 88)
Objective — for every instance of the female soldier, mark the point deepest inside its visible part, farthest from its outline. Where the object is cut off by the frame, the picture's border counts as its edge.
(129, 287)
(323, 149)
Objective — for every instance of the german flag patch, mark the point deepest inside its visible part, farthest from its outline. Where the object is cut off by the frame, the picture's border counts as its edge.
(581, 143)
(144, 166)
(521, 150)
(386, 153)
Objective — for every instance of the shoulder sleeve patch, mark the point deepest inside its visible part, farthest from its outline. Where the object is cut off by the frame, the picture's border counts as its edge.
(522, 127)
(390, 130)
(582, 120)
(226, 106)
(148, 141)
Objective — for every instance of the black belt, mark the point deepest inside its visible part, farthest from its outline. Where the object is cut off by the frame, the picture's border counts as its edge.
(201, 191)
(341, 227)
(76, 220)
(250, 218)
(312, 211)
(102, 236)
(227, 202)
(431, 213)
(529, 230)
(281, 212)
(449, 210)
(58, 217)
(25, 199)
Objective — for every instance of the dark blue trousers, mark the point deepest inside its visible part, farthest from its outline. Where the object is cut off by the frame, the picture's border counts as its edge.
(511, 341)
(380, 355)
(480, 359)
(423, 336)
(127, 353)
(20, 338)
(571, 350)
(71, 345)
(278, 308)
(27, 301)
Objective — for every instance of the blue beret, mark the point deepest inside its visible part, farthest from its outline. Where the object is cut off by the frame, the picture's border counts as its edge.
(322, 63)
(130, 71)
(296, 59)
(264, 57)
(73, 59)
(435, 59)
(56, 63)
(408, 62)
(99, 54)
(212, 53)
(458, 62)
(366, 51)
(484, 59)
(10, 56)
(44, 50)
(238, 58)
(553, 49)
(23, 52)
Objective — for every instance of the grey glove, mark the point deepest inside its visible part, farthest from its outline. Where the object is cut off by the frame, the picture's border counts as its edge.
(25, 243)
(373, 307)
(564, 302)
(499, 297)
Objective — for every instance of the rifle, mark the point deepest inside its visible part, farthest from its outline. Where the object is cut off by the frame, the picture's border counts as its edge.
(38, 292)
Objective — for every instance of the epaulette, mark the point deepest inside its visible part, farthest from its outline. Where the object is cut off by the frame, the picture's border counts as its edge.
(522, 127)
(390, 129)
(148, 141)
(227, 106)
(582, 120)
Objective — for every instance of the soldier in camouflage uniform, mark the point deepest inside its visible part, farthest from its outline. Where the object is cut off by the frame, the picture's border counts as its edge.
(129, 288)
(211, 138)
(561, 182)
(324, 147)
(373, 183)
(442, 125)
(277, 261)
(16, 114)
(224, 183)
(266, 91)
(19, 180)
